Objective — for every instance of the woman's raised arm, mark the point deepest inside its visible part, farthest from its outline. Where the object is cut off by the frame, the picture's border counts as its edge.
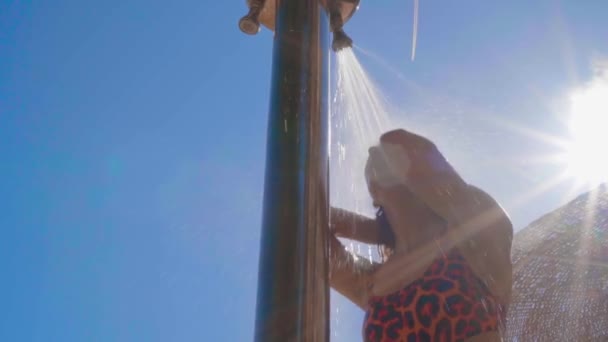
(348, 225)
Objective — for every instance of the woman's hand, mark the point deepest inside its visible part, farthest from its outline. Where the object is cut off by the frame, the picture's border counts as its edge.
(335, 247)
(353, 226)
(338, 224)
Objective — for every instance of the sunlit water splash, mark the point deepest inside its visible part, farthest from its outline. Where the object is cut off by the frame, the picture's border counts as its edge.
(359, 117)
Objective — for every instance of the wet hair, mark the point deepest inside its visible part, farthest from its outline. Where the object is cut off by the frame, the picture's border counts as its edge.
(386, 235)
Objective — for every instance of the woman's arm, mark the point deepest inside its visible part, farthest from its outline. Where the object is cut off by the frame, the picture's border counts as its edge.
(353, 226)
(348, 274)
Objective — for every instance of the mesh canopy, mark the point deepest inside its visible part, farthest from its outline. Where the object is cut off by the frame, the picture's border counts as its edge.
(560, 283)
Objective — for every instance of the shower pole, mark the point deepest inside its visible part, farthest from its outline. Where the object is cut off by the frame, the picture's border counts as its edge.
(293, 291)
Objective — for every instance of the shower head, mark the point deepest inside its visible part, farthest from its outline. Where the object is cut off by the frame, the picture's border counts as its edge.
(336, 22)
(341, 41)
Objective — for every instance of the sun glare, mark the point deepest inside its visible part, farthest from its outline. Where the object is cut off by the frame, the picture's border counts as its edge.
(587, 152)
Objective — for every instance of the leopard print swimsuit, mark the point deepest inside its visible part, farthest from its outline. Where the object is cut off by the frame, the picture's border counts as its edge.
(448, 303)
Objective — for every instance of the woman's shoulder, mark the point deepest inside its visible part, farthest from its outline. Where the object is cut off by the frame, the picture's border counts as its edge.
(487, 247)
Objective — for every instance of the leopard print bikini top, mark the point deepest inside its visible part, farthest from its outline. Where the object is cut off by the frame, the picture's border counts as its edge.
(448, 303)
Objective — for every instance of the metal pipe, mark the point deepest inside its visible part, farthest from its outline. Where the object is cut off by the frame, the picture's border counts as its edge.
(293, 292)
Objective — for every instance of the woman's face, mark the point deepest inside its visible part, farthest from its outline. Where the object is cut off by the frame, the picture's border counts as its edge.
(389, 191)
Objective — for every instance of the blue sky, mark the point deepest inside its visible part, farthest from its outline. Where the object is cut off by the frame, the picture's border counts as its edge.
(132, 139)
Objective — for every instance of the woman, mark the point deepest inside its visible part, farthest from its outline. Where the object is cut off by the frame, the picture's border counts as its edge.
(446, 273)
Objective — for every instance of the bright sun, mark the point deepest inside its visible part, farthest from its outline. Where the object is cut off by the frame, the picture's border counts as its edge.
(587, 152)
